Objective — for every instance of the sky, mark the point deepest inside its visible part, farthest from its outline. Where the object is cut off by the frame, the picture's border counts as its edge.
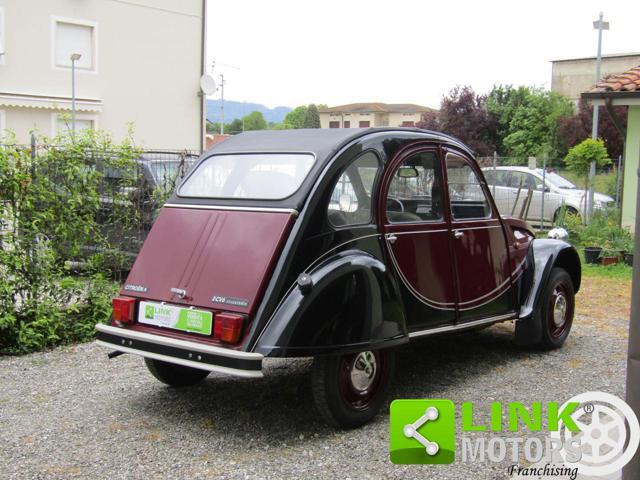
(290, 53)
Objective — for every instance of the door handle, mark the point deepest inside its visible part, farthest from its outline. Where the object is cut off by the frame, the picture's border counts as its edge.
(458, 234)
(392, 238)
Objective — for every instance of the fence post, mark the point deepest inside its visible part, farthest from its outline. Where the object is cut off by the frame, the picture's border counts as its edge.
(545, 157)
(495, 164)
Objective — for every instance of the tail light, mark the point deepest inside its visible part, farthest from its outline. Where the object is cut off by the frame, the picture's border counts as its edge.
(123, 309)
(228, 327)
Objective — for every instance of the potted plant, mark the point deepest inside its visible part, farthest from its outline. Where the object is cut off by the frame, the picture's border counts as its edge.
(628, 251)
(609, 255)
(591, 250)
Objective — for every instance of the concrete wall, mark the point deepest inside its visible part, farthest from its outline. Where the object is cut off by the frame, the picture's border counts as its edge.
(572, 77)
(148, 56)
(632, 162)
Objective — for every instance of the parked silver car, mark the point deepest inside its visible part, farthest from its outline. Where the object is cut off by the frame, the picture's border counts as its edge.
(506, 181)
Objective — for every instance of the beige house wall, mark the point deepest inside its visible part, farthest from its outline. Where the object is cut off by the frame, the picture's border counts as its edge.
(572, 77)
(376, 119)
(148, 57)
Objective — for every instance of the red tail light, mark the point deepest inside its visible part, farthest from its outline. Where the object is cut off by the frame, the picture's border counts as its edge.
(228, 327)
(123, 309)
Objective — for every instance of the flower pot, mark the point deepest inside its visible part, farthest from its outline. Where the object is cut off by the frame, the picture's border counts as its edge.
(628, 259)
(609, 260)
(592, 254)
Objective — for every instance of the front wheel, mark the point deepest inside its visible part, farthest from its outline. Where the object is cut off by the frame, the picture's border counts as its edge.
(175, 375)
(349, 390)
(555, 315)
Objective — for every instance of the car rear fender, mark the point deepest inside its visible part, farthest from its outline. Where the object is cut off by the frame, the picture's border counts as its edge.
(348, 303)
(542, 257)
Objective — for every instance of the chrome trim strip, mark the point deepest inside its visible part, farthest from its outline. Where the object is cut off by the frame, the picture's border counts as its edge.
(440, 230)
(292, 211)
(173, 342)
(463, 326)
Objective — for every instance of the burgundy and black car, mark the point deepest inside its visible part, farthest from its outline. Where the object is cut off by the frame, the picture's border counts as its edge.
(336, 244)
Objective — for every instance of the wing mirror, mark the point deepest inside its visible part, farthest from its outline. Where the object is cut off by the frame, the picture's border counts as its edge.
(408, 172)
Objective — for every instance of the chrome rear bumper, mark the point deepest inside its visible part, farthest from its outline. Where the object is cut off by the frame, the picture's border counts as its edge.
(181, 352)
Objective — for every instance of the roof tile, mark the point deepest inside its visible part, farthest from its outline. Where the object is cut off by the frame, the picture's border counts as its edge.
(627, 81)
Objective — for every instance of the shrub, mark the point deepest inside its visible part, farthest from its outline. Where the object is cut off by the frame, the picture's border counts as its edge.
(52, 209)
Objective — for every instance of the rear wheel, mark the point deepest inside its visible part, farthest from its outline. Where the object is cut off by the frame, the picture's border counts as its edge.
(349, 390)
(175, 375)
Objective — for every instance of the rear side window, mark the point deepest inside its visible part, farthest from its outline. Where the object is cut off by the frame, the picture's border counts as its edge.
(350, 202)
(267, 176)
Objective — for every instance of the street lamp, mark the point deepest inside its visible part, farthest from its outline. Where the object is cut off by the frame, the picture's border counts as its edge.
(74, 58)
(599, 25)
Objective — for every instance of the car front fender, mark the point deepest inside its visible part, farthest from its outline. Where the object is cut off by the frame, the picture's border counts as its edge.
(348, 303)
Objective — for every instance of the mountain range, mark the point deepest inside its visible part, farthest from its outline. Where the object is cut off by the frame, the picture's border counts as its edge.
(233, 110)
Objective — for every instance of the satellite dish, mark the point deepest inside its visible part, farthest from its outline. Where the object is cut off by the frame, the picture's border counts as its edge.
(208, 84)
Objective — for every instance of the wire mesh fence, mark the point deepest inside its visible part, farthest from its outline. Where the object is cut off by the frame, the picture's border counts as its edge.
(539, 190)
(110, 201)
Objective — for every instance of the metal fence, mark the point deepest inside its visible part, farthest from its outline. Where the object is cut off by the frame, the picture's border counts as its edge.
(134, 190)
(539, 190)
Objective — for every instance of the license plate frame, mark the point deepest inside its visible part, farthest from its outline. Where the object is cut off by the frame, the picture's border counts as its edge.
(184, 319)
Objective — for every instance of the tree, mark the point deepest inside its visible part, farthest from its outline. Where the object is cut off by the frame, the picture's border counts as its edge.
(579, 158)
(312, 117)
(296, 117)
(282, 126)
(235, 126)
(527, 120)
(572, 129)
(254, 121)
(464, 115)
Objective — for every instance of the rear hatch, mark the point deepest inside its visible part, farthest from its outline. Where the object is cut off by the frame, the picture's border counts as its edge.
(208, 258)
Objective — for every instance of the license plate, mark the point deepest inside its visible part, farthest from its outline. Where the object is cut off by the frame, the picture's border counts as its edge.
(179, 318)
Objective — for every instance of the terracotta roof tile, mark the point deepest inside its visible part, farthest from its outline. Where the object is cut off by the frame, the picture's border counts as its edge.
(628, 81)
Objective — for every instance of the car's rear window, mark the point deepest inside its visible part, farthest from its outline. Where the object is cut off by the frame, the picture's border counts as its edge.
(268, 176)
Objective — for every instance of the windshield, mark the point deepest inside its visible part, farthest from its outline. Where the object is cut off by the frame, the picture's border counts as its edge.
(268, 176)
(559, 181)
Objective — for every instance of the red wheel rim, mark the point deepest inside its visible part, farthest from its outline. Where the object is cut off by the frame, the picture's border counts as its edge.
(560, 310)
(361, 376)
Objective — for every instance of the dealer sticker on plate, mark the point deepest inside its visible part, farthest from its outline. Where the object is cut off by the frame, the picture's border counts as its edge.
(179, 318)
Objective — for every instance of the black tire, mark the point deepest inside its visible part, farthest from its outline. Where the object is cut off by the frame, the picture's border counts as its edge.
(175, 375)
(554, 331)
(339, 400)
(569, 211)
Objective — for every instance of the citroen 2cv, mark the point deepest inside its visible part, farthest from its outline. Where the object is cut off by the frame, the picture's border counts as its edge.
(337, 244)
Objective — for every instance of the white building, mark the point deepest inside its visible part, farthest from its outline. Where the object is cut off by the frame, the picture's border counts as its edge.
(364, 115)
(141, 61)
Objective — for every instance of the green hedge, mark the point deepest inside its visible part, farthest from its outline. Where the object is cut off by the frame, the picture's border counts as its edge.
(51, 210)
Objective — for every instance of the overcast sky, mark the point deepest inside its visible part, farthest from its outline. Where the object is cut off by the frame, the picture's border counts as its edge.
(405, 51)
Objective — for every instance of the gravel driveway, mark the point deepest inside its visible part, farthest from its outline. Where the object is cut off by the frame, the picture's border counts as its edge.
(71, 413)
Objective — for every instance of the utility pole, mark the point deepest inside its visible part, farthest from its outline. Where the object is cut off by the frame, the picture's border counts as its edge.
(599, 25)
(222, 104)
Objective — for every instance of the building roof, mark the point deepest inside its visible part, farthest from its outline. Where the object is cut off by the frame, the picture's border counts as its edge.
(611, 55)
(377, 107)
(628, 81)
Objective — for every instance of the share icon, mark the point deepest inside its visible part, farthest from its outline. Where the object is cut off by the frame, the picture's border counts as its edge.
(410, 430)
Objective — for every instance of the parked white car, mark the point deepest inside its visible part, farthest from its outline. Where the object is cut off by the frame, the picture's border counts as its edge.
(504, 183)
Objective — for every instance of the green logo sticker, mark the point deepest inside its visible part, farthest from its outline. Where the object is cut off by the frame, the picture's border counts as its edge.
(422, 432)
(149, 311)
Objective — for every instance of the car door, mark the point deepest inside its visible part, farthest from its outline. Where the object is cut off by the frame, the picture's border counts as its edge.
(418, 238)
(479, 244)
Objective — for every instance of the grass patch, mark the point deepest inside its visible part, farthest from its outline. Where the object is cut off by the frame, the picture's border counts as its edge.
(619, 271)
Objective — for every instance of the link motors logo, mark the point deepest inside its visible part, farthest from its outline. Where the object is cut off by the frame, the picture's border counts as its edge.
(593, 433)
